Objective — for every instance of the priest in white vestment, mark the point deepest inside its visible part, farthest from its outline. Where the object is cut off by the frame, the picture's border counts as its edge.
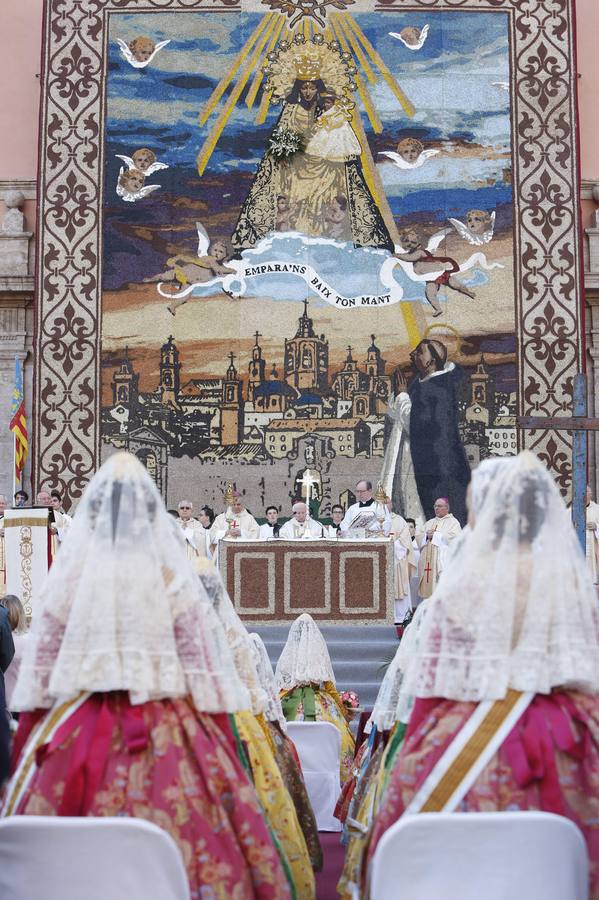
(434, 543)
(44, 498)
(300, 526)
(405, 563)
(365, 502)
(235, 522)
(62, 520)
(194, 533)
(592, 533)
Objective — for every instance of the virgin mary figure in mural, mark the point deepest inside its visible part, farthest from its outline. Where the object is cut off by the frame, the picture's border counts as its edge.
(310, 179)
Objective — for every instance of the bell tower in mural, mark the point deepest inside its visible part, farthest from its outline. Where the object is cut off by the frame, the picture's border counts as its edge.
(231, 409)
(306, 356)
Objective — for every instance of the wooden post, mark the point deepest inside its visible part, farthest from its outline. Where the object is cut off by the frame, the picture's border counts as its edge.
(579, 424)
(579, 461)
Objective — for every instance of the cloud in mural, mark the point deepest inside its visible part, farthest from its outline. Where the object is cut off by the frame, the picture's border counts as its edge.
(452, 171)
(347, 277)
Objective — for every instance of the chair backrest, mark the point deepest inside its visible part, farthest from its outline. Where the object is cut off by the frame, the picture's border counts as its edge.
(498, 856)
(318, 745)
(62, 858)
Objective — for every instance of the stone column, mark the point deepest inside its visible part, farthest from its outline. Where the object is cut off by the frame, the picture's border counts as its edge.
(16, 323)
(591, 283)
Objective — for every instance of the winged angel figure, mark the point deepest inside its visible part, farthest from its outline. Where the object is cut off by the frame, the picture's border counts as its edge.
(401, 162)
(130, 186)
(143, 161)
(140, 52)
(412, 38)
(478, 228)
(208, 266)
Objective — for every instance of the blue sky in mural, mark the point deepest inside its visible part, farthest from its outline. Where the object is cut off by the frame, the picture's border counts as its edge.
(454, 82)
(452, 75)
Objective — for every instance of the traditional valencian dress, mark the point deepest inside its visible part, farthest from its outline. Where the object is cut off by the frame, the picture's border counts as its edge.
(510, 636)
(162, 761)
(257, 747)
(128, 690)
(286, 756)
(306, 683)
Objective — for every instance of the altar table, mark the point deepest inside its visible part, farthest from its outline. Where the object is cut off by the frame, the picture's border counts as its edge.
(340, 581)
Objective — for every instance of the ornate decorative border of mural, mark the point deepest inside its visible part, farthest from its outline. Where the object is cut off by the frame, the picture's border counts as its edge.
(68, 277)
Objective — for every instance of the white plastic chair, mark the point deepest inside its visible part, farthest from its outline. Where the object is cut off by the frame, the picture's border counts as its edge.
(318, 746)
(468, 856)
(62, 858)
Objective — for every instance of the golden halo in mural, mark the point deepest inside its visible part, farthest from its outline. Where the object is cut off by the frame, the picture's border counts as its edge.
(310, 60)
(442, 330)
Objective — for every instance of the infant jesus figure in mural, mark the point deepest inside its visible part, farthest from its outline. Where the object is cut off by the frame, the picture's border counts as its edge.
(413, 251)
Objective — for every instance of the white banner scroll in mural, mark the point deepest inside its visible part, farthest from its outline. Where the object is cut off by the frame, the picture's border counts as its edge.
(238, 284)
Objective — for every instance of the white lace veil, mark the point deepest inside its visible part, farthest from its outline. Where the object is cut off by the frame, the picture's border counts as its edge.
(516, 608)
(384, 713)
(121, 608)
(274, 710)
(305, 657)
(480, 482)
(236, 632)
(392, 703)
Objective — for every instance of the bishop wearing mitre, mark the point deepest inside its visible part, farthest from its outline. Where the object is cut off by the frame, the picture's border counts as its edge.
(438, 535)
(592, 543)
(235, 522)
(194, 533)
(405, 562)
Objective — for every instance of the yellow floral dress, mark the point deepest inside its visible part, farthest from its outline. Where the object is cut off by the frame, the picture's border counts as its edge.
(311, 703)
(276, 802)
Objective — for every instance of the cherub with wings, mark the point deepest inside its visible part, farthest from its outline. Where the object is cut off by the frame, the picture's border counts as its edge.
(131, 185)
(479, 227)
(144, 160)
(411, 37)
(410, 154)
(423, 262)
(188, 270)
(140, 52)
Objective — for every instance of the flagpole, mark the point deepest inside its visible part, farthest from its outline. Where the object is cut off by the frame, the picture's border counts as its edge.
(14, 465)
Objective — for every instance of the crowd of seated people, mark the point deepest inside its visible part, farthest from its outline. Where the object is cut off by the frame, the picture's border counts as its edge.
(142, 693)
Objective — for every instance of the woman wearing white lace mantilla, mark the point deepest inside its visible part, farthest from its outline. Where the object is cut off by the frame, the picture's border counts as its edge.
(306, 683)
(387, 725)
(124, 691)
(511, 633)
(252, 727)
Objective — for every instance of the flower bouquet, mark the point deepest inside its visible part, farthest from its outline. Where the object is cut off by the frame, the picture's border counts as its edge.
(285, 143)
(351, 703)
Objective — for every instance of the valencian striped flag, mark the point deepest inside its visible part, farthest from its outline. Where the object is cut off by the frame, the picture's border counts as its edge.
(18, 423)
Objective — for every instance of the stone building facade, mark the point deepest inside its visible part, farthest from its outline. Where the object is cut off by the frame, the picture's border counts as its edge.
(20, 27)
